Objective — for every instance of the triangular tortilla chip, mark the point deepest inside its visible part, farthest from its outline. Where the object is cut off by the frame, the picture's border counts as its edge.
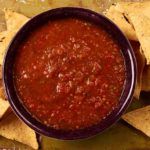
(4, 106)
(4, 44)
(141, 24)
(134, 7)
(140, 119)
(13, 128)
(119, 19)
(14, 22)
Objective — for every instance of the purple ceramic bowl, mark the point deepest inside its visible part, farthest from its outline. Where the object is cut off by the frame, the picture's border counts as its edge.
(98, 19)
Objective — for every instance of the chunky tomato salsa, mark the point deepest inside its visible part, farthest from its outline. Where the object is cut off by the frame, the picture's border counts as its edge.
(69, 73)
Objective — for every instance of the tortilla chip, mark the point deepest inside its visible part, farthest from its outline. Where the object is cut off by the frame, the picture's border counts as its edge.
(4, 44)
(3, 35)
(141, 24)
(4, 106)
(140, 119)
(12, 128)
(140, 67)
(92, 4)
(2, 21)
(134, 7)
(119, 19)
(14, 22)
(146, 79)
(64, 3)
(2, 95)
(2, 92)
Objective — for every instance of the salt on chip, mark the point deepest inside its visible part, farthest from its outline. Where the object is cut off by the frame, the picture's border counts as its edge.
(141, 24)
(119, 19)
(4, 106)
(140, 119)
(13, 128)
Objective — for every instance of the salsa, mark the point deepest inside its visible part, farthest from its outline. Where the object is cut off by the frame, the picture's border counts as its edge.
(69, 73)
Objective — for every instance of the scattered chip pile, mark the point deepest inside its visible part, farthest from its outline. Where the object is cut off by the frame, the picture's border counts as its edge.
(133, 18)
(10, 126)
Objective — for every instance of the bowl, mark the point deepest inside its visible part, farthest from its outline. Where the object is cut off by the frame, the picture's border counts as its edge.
(127, 94)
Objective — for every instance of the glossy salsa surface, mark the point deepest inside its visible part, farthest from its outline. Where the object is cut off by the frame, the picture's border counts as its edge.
(69, 73)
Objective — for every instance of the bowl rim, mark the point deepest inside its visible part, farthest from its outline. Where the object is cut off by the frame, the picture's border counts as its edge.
(26, 117)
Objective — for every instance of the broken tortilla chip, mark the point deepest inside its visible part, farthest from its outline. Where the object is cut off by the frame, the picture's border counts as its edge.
(141, 25)
(119, 19)
(13, 128)
(140, 119)
(4, 106)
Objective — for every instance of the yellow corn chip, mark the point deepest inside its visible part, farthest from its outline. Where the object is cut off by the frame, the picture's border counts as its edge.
(2, 93)
(140, 119)
(91, 4)
(14, 22)
(13, 128)
(141, 24)
(2, 21)
(119, 19)
(134, 7)
(4, 44)
(140, 67)
(4, 106)
(64, 3)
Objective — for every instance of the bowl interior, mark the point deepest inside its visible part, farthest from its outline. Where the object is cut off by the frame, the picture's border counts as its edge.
(60, 13)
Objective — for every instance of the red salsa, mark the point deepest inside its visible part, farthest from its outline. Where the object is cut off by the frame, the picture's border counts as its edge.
(69, 73)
